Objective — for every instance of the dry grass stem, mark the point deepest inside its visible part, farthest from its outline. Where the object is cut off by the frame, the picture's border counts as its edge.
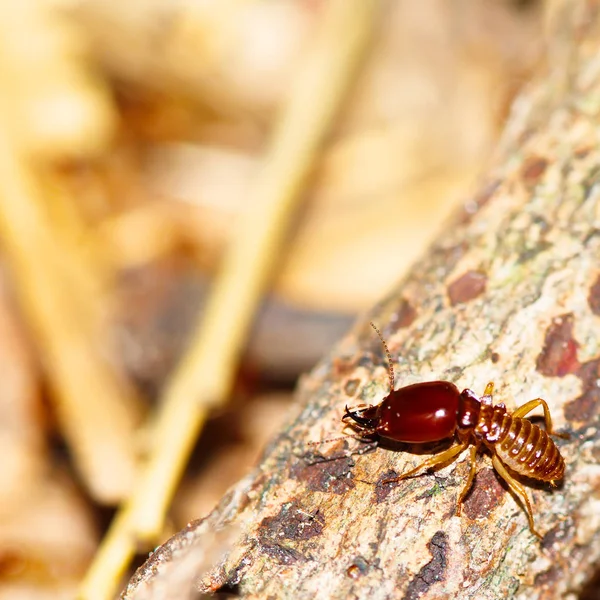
(97, 412)
(205, 375)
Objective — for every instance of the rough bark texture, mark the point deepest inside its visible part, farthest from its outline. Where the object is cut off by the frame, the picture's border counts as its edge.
(510, 293)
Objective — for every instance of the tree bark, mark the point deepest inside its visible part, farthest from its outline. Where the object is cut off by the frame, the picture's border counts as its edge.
(510, 293)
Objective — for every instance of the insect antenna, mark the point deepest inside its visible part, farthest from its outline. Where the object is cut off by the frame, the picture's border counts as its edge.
(356, 436)
(365, 432)
(389, 357)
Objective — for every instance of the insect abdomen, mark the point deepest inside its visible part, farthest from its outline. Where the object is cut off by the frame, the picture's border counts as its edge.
(528, 450)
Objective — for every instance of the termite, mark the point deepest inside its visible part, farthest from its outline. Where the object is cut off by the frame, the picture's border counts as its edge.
(435, 410)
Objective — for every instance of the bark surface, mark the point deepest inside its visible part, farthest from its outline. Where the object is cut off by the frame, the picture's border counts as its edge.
(510, 293)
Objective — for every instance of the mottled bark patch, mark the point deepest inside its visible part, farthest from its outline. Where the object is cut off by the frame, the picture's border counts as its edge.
(433, 571)
(164, 553)
(343, 366)
(351, 386)
(472, 207)
(334, 476)
(467, 287)
(447, 257)
(230, 588)
(594, 297)
(485, 496)
(382, 490)
(403, 316)
(284, 555)
(559, 534)
(291, 523)
(585, 407)
(434, 490)
(547, 578)
(559, 353)
(366, 361)
(533, 169)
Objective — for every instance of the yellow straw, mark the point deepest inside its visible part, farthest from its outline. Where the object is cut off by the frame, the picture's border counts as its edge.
(204, 378)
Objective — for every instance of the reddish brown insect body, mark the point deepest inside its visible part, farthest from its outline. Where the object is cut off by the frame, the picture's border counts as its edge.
(436, 410)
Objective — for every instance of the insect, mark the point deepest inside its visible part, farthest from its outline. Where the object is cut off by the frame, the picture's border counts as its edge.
(435, 410)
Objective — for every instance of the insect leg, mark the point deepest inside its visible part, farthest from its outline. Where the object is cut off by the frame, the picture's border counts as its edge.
(447, 456)
(517, 489)
(489, 389)
(533, 404)
(469, 482)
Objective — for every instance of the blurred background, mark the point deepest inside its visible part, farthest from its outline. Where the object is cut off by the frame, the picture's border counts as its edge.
(130, 137)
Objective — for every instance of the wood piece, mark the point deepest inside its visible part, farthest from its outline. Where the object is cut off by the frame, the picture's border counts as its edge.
(508, 293)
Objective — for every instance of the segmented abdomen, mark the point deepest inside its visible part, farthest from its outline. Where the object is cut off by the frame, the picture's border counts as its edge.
(527, 449)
